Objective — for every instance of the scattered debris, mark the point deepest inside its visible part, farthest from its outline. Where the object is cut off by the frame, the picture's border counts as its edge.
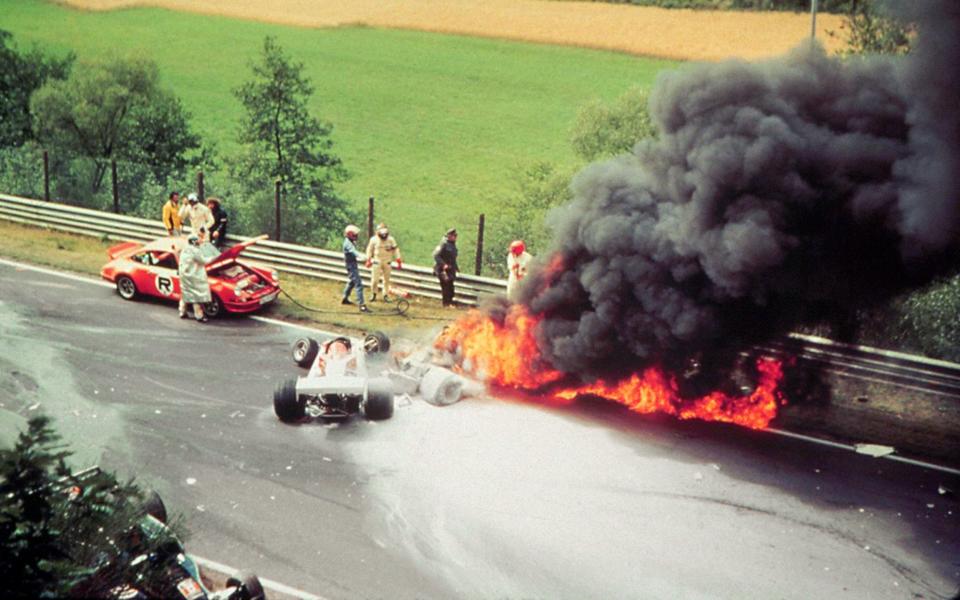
(874, 450)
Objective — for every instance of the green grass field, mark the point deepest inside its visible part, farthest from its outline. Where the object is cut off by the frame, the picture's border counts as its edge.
(432, 125)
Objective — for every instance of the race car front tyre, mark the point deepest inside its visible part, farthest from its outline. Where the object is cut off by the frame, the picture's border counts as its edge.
(376, 342)
(154, 506)
(126, 288)
(304, 351)
(379, 403)
(249, 586)
(286, 402)
(214, 308)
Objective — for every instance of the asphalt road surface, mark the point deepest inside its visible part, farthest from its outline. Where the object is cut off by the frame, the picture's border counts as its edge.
(486, 498)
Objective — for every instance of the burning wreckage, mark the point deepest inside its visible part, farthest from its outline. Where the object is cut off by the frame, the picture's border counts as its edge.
(781, 194)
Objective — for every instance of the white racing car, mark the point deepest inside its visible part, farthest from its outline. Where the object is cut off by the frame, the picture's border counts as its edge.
(340, 383)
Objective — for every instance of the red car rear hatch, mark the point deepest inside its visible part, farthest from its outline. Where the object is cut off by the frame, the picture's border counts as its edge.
(230, 254)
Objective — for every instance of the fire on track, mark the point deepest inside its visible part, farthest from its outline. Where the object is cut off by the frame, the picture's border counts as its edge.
(781, 432)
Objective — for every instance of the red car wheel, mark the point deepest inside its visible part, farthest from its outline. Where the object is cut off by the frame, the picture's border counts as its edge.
(126, 288)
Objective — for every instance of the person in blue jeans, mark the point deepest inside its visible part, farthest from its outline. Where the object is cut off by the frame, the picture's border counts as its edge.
(351, 258)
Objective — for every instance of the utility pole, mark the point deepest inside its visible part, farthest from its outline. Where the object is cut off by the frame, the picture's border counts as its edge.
(813, 20)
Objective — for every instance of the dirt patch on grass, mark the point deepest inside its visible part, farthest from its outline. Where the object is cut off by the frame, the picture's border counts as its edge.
(641, 30)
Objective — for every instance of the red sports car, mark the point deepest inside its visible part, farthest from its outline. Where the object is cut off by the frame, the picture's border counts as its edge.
(151, 270)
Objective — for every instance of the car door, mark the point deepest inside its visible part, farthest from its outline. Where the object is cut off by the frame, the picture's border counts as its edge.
(156, 274)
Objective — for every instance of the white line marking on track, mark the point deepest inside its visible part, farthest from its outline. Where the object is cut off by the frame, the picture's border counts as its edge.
(903, 459)
(267, 583)
(81, 278)
(894, 457)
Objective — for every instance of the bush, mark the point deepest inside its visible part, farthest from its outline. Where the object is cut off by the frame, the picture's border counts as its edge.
(924, 321)
(56, 530)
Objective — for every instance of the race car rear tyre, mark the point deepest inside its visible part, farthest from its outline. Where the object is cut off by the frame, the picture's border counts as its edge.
(126, 288)
(379, 403)
(376, 342)
(304, 351)
(214, 308)
(286, 403)
(154, 506)
(249, 584)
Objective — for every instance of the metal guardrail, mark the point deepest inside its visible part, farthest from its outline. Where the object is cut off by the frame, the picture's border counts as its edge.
(872, 364)
(288, 258)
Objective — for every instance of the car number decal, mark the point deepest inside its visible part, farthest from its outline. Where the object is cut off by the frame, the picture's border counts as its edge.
(189, 589)
(164, 285)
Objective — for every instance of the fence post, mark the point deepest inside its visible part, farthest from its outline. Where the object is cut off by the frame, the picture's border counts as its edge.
(276, 212)
(370, 218)
(46, 176)
(116, 193)
(200, 191)
(479, 245)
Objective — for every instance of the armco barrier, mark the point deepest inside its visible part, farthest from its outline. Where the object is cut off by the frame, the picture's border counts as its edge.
(289, 258)
(914, 372)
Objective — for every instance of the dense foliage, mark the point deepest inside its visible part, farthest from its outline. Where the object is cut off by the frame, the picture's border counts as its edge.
(21, 74)
(867, 29)
(832, 6)
(61, 532)
(114, 110)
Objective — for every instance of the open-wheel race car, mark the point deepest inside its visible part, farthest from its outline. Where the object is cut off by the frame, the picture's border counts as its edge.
(151, 562)
(150, 269)
(344, 378)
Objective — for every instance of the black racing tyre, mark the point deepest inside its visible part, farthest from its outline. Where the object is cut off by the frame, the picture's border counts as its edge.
(214, 308)
(304, 351)
(286, 403)
(379, 403)
(376, 342)
(126, 288)
(249, 584)
(153, 505)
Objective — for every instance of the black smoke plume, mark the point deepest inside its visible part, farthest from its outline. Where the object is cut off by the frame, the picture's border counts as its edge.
(778, 193)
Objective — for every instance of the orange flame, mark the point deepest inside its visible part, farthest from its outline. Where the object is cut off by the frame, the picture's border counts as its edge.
(506, 355)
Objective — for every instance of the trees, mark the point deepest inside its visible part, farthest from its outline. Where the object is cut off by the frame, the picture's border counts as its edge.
(872, 31)
(115, 109)
(56, 529)
(540, 187)
(20, 76)
(603, 129)
(283, 142)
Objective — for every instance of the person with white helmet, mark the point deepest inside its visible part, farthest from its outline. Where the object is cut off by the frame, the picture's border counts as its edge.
(518, 260)
(350, 258)
(197, 214)
(381, 251)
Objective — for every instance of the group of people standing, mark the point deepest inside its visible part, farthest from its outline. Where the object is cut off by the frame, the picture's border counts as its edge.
(208, 222)
(383, 250)
(208, 218)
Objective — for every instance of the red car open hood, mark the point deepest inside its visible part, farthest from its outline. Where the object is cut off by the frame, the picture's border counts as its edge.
(231, 253)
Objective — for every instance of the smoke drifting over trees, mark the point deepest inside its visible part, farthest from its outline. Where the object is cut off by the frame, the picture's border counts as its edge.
(778, 193)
